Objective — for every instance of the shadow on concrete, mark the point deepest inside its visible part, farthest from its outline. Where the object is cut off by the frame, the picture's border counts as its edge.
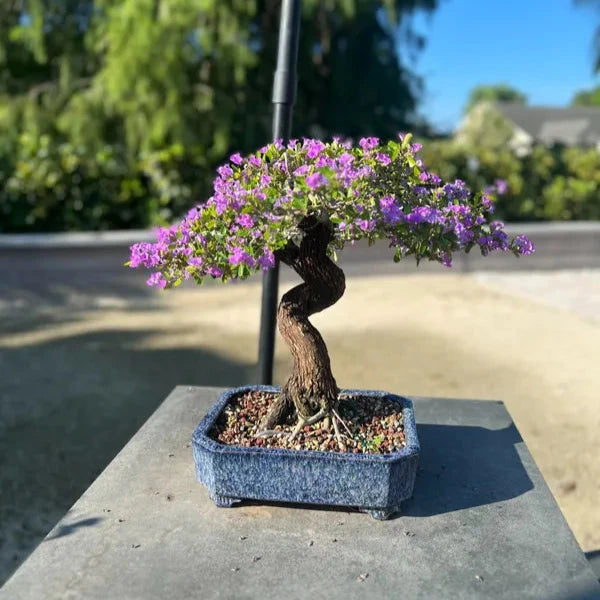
(462, 467)
(63, 530)
(594, 560)
(40, 288)
(68, 405)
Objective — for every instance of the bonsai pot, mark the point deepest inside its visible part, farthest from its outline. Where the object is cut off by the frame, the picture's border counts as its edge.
(374, 483)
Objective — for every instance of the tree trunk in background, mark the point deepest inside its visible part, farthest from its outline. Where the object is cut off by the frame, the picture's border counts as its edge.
(311, 386)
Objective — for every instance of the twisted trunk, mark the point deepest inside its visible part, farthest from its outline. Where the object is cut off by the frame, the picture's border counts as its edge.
(311, 386)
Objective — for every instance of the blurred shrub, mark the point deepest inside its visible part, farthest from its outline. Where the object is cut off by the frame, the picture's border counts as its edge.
(547, 184)
(60, 187)
(49, 186)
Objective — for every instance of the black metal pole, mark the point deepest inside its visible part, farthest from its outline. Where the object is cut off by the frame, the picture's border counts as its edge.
(284, 95)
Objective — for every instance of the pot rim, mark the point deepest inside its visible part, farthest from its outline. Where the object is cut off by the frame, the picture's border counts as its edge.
(200, 436)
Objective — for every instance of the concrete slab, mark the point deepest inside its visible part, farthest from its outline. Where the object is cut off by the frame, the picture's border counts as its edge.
(482, 524)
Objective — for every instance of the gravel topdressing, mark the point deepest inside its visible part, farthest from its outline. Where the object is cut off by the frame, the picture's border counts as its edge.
(375, 426)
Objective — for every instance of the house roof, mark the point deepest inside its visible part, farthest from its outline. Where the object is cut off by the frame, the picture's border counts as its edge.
(550, 125)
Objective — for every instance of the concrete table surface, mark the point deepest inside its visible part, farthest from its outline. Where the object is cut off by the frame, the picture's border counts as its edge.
(482, 524)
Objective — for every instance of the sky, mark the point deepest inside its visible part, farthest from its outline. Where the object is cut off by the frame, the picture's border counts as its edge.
(544, 48)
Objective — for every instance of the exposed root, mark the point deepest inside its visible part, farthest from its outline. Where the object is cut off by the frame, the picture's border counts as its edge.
(337, 416)
(324, 414)
(302, 422)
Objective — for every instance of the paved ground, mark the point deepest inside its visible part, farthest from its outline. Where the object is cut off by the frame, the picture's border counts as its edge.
(86, 355)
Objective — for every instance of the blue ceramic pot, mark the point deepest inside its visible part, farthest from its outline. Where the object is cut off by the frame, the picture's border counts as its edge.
(374, 483)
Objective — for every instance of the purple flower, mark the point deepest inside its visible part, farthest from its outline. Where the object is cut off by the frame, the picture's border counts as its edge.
(157, 280)
(225, 171)
(254, 160)
(236, 158)
(383, 159)
(501, 186)
(416, 147)
(523, 245)
(195, 261)
(392, 213)
(365, 224)
(214, 271)
(267, 260)
(220, 202)
(487, 203)
(316, 180)
(368, 143)
(346, 159)
(303, 170)
(456, 190)
(465, 236)
(240, 256)
(145, 254)
(315, 147)
(423, 176)
(423, 214)
(245, 220)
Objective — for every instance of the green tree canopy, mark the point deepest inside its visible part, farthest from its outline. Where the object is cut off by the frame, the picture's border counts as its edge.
(193, 77)
(594, 4)
(587, 97)
(500, 92)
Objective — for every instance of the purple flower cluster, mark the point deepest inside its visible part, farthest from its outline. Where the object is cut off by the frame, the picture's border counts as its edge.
(371, 190)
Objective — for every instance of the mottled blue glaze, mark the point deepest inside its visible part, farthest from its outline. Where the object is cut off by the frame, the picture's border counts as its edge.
(375, 483)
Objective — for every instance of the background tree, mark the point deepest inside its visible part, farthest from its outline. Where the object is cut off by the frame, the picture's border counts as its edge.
(494, 93)
(113, 113)
(587, 97)
(595, 5)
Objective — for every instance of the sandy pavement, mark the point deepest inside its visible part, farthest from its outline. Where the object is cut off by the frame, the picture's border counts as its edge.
(79, 377)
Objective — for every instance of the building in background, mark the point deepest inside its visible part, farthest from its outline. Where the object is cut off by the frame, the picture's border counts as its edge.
(520, 127)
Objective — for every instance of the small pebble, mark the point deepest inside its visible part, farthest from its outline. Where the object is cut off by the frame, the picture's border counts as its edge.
(409, 533)
(235, 569)
(256, 558)
(310, 543)
(135, 545)
(479, 577)
(243, 537)
(362, 577)
(375, 426)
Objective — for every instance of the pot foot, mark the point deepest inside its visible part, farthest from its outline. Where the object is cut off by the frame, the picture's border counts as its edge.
(381, 514)
(224, 501)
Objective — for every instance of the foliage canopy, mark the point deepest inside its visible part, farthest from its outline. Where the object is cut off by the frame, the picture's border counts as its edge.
(263, 202)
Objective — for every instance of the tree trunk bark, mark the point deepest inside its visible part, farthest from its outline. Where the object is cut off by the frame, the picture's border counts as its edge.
(311, 386)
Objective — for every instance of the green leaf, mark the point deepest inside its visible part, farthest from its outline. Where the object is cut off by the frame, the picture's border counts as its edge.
(300, 203)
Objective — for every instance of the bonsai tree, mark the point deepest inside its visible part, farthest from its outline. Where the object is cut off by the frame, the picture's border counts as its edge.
(299, 203)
